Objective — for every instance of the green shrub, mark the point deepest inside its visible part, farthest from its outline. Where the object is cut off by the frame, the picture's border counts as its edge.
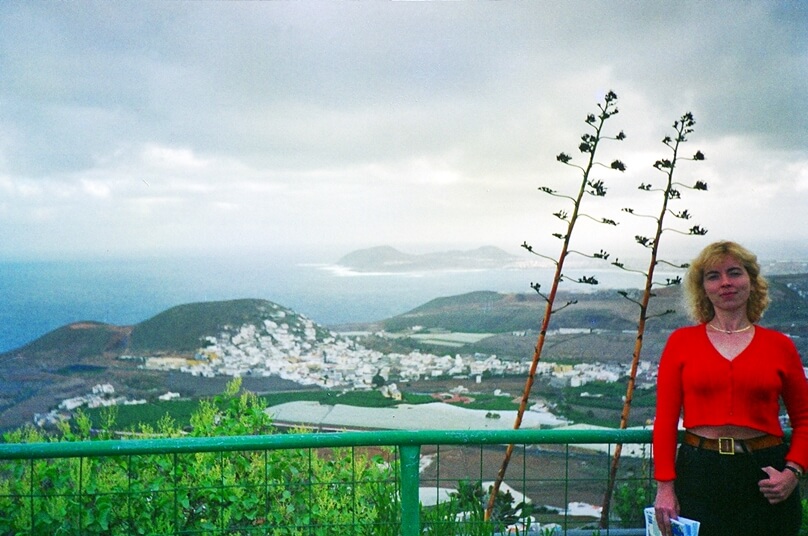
(630, 500)
(282, 492)
(464, 513)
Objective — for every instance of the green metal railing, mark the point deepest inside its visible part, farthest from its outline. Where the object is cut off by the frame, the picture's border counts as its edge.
(375, 479)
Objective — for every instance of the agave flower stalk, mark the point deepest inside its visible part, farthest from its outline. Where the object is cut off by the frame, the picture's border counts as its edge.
(588, 185)
(670, 192)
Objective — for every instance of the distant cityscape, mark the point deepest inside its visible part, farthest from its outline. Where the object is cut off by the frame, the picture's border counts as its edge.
(293, 351)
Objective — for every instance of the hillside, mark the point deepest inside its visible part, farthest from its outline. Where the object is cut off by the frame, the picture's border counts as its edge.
(68, 361)
(516, 318)
(183, 329)
(179, 330)
(492, 312)
(788, 311)
(79, 340)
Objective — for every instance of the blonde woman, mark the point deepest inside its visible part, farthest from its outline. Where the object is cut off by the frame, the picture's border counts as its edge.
(726, 377)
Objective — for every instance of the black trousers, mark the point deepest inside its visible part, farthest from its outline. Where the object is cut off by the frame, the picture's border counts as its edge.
(721, 491)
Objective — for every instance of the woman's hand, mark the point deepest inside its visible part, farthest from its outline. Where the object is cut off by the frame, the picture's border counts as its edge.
(779, 486)
(666, 506)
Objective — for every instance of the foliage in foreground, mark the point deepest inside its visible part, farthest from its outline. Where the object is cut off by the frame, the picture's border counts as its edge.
(470, 499)
(284, 492)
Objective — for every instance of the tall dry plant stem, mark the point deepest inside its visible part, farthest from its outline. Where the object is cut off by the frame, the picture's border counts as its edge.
(589, 145)
(670, 192)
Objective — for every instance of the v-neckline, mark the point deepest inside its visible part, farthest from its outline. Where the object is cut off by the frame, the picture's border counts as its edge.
(725, 357)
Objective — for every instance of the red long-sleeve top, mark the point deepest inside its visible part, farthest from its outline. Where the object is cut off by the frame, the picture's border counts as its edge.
(696, 380)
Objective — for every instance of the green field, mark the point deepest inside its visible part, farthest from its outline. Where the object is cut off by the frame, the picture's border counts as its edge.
(601, 405)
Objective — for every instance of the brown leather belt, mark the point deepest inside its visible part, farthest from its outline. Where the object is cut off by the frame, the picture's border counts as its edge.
(730, 445)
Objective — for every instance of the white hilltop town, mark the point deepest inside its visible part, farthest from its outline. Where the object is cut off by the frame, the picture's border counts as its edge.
(341, 362)
(293, 347)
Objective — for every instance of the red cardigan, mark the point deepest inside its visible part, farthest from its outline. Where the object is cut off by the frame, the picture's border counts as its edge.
(715, 391)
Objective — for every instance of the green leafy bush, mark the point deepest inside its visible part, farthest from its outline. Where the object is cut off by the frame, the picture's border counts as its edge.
(630, 500)
(464, 513)
(288, 492)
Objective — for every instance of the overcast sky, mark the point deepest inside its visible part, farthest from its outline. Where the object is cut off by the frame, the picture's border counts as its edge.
(144, 128)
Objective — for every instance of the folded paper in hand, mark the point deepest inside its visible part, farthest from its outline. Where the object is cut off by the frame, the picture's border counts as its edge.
(680, 527)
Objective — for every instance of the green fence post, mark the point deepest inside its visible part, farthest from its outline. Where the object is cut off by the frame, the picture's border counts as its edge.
(410, 482)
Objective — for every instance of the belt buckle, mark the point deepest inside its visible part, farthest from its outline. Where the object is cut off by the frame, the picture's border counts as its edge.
(726, 445)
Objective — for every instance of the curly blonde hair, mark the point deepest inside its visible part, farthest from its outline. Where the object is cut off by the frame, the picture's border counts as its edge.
(701, 309)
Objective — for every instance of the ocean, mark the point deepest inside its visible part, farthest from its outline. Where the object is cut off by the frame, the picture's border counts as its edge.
(38, 297)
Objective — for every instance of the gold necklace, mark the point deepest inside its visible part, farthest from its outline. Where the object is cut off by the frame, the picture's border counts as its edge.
(729, 331)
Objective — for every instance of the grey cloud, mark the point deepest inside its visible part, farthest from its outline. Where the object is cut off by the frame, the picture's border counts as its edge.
(310, 95)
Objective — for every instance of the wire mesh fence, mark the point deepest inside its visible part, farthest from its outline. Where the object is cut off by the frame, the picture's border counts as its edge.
(348, 483)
